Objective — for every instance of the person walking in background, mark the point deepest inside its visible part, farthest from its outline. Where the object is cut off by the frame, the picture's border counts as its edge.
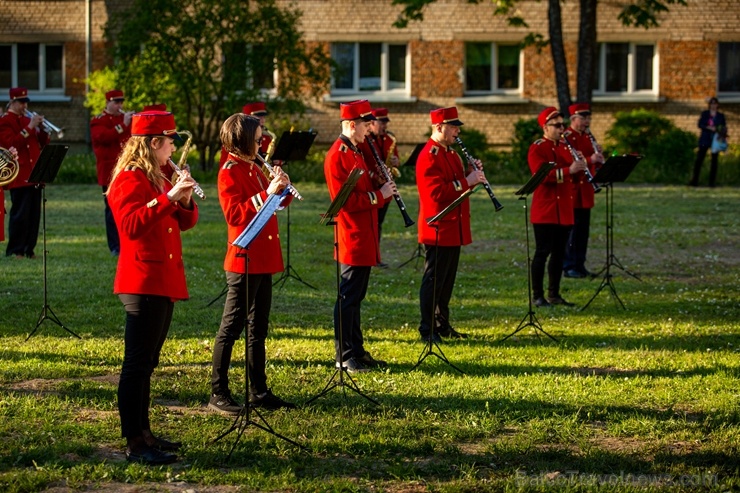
(357, 233)
(711, 122)
(109, 131)
(441, 178)
(242, 190)
(26, 133)
(551, 213)
(579, 137)
(150, 213)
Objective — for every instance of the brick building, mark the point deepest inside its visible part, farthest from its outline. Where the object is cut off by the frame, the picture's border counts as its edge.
(461, 54)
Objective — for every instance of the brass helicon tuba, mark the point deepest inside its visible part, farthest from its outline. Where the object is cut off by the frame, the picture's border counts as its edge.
(9, 167)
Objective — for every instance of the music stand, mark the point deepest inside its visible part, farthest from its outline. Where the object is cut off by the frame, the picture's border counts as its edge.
(243, 241)
(44, 171)
(615, 169)
(328, 218)
(293, 146)
(411, 161)
(428, 349)
(530, 319)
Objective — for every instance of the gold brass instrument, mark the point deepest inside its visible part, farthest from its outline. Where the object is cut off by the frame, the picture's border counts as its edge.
(9, 167)
(587, 171)
(183, 162)
(394, 169)
(271, 146)
(48, 127)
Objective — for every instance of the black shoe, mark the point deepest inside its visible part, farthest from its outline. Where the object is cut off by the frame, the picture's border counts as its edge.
(541, 302)
(165, 445)
(150, 456)
(353, 366)
(434, 337)
(270, 401)
(557, 300)
(369, 362)
(381, 265)
(574, 274)
(224, 404)
(451, 333)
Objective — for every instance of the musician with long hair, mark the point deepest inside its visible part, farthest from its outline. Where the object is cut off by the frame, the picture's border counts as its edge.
(150, 212)
(551, 213)
(242, 189)
(441, 178)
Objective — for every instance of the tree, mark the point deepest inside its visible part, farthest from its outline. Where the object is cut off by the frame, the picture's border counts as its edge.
(205, 58)
(640, 13)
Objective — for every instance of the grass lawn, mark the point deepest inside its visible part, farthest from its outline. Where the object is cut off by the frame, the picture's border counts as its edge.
(637, 399)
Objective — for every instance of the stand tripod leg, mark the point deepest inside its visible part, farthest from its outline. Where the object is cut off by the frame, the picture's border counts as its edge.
(351, 385)
(616, 263)
(530, 320)
(220, 295)
(429, 351)
(418, 253)
(606, 281)
(290, 272)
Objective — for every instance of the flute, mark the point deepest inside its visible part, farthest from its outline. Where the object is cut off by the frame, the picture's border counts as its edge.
(472, 161)
(272, 171)
(196, 188)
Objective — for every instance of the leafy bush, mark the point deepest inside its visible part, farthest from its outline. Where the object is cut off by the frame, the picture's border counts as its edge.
(525, 132)
(78, 168)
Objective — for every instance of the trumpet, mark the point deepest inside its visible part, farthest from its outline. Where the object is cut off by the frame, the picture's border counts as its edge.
(385, 172)
(471, 160)
(47, 126)
(183, 162)
(587, 171)
(272, 171)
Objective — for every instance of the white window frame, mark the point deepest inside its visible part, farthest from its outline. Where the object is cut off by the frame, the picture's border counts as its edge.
(494, 74)
(600, 88)
(42, 90)
(384, 72)
(733, 94)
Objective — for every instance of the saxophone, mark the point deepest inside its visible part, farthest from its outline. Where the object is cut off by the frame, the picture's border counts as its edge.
(394, 169)
(183, 165)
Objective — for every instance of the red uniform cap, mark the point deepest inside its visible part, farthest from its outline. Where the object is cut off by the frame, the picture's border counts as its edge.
(114, 95)
(445, 115)
(256, 109)
(355, 110)
(154, 123)
(582, 109)
(19, 94)
(547, 114)
(154, 107)
(381, 114)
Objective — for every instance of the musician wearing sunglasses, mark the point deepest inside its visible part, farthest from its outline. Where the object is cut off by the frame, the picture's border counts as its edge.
(357, 232)
(150, 212)
(551, 213)
(242, 189)
(25, 133)
(580, 138)
(258, 110)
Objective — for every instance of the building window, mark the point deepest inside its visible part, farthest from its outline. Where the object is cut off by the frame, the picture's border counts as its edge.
(626, 68)
(729, 67)
(370, 67)
(247, 66)
(491, 67)
(37, 67)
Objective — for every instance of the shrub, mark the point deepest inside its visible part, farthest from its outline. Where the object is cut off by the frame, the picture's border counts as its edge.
(78, 168)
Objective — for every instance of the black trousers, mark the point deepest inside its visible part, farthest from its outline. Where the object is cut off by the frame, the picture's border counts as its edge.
(577, 246)
(434, 302)
(700, 155)
(550, 240)
(147, 323)
(111, 231)
(259, 287)
(23, 221)
(352, 290)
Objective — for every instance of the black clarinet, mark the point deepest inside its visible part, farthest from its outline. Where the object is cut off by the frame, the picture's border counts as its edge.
(471, 160)
(385, 172)
(587, 171)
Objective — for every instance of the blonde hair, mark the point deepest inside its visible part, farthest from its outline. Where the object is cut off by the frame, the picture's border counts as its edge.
(138, 152)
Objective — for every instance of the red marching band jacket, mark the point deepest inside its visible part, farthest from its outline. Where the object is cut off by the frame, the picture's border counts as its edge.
(357, 222)
(149, 226)
(440, 178)
(552, 201)
(14, 132)
(583, 191)
(108, 134)
(242, 191)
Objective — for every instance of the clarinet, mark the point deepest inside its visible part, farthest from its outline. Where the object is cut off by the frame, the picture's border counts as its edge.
(385, 172)
(587, 171)
(471, 160)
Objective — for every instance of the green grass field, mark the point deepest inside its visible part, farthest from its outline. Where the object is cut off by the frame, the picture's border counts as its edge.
(638, 399)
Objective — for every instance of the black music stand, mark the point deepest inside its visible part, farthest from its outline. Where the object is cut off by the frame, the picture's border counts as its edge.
(615, 169)
(530, 319)
(434, 222)
(243, 241)
(411, 162)
(338, 377)
(293, 146)
(44, 171)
